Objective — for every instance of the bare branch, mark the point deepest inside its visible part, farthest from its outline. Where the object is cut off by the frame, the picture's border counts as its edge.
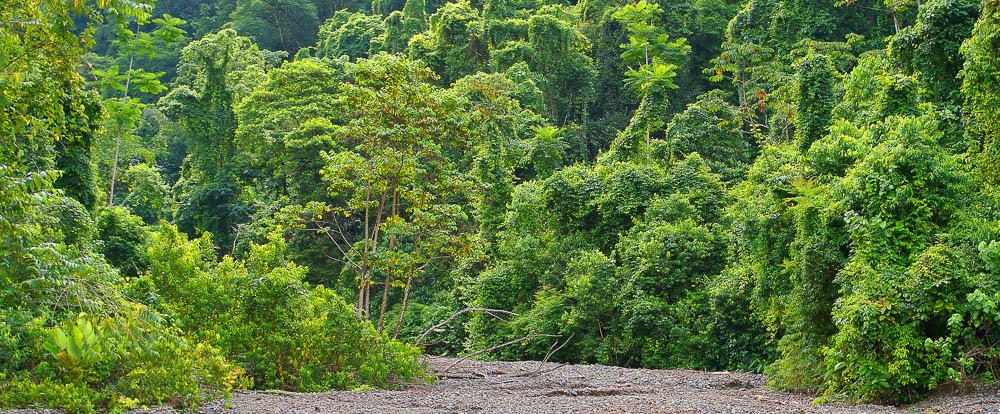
(459, 313)
(236, 239)
(343, 236)
(536, 373)
(336, 243)
(496, 347)
(552, 351)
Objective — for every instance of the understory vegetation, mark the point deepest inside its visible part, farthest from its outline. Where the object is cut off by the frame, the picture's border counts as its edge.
(200, 196)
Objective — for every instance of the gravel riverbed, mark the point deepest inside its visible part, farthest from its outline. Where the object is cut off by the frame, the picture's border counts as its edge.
(534, 388)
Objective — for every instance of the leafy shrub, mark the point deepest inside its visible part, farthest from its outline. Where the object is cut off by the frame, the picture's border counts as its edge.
(121, 235)
(616, 264)
(74, 222)
(260, 312)
(711, 127)
(88, 363)
(147, 195)
(894, 342)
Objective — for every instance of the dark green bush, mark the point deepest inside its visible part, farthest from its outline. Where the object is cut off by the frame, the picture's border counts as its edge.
(121, 235)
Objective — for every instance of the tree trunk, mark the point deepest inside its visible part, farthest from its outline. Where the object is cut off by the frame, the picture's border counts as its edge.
(388, 274)
(361, 296)
(114, 167)
(402, 308)
(406, 291)
(118, 135)
(385, 301)
(368, 291)
(363, 283)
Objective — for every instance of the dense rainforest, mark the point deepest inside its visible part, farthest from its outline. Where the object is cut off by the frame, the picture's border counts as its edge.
(199, 196)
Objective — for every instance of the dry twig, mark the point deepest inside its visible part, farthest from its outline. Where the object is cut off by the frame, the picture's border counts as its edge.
(491, 312)
(496, 347)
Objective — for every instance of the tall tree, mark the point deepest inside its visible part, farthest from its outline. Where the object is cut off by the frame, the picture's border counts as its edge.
(286, 122)
(277, 24)
(453, 45)
(396, 178)
(653, 60)
(815, 99)
(125, 108)
(218, 70)
(980, 83)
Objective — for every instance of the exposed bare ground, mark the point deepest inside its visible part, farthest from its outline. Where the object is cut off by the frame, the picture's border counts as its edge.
(530, 387)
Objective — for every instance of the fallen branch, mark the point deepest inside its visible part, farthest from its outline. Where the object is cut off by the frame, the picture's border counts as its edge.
(552, 351)
(770, 400)
(492, 313)
(477, 375)
(536, 373)
(281, 392)
(496, 347)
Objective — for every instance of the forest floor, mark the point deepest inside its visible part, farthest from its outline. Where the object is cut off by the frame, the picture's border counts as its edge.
(531, 387)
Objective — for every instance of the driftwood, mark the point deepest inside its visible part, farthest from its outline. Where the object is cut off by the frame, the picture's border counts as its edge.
(536, 372)
(476, 375)
(496, 347)
(491, 312)
(556, 346)
(549, 354)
